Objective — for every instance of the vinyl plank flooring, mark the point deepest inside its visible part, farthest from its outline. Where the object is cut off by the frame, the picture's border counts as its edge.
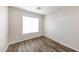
(40, 44)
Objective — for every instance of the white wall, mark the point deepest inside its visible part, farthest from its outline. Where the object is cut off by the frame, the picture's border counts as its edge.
(63, 26)
(3, 28)
(15, 25)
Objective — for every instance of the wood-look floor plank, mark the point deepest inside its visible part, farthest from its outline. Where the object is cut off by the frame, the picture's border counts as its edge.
(40, 44)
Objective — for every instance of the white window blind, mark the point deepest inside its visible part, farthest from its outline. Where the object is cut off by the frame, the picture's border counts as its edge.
(30, 24)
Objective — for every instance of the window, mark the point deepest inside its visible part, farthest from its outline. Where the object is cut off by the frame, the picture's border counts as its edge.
(30, 24)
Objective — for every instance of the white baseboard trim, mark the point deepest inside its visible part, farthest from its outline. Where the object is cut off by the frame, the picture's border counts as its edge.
(24, 39)
(61, 43)
(6, 47)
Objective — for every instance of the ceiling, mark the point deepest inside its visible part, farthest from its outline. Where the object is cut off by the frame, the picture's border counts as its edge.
(43, 10)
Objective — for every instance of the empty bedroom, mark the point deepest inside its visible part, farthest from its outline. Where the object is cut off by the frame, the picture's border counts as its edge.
(39, 28)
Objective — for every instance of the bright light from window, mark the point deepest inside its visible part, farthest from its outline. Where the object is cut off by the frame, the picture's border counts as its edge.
(30, 24)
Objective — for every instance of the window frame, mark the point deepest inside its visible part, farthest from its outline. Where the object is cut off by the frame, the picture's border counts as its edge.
(31, 24)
